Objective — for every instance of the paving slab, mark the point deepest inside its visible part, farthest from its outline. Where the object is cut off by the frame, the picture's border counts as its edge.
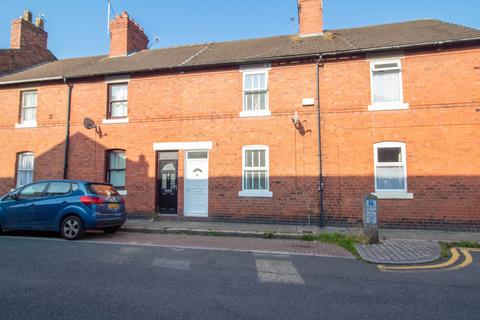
(400, 252)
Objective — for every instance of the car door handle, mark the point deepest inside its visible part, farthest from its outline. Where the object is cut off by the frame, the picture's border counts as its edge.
(64, 202)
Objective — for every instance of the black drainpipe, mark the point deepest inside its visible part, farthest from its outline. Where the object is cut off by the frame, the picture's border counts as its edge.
(320, 162)
(67, 131)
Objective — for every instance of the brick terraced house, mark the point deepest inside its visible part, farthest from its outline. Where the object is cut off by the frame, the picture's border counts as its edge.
(287, 129)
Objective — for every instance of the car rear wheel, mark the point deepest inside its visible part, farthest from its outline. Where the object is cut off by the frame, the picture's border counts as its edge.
(111, 230)
(72, 228)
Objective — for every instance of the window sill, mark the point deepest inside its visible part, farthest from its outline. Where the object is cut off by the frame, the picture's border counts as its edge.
(28, 124)
(390, 106)
(123, 192)
(255, 194)
(115, 121)
(394, 195)
(251, 114)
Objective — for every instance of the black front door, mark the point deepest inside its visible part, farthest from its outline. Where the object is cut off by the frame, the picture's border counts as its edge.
(167, 185)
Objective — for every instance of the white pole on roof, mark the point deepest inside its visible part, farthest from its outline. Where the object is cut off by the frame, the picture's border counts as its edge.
(108, 17)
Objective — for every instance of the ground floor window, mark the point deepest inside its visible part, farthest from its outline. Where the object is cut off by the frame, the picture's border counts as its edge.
(25, 168)
(390, 167)
(116, 167)
(255, 177)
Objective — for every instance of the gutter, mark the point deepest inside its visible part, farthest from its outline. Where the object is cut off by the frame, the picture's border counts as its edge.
(321, 183)
(31, 80)
(67, 130)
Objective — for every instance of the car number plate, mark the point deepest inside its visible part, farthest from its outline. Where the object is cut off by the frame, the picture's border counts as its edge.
(113, 206)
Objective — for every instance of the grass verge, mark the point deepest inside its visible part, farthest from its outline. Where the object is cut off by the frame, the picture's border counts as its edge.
(446, 246)
(345, 241)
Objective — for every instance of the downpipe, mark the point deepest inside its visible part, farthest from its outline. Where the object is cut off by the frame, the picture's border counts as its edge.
(67, 130)
(321, 185)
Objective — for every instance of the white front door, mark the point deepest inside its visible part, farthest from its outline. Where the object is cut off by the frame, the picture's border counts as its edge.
(196, 184)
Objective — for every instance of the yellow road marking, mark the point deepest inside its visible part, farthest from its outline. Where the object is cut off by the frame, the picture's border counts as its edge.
(453, 259)
(468, 260)
(447, 265)
(471, 249)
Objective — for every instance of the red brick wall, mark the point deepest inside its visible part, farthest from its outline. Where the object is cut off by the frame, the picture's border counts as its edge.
(440, 131)
(185, 107)
(46, 141)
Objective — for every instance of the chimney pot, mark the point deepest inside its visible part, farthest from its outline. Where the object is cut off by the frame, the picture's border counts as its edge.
(40, 23)
(27, 15)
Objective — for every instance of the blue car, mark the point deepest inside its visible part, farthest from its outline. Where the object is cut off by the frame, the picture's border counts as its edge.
(66, 206)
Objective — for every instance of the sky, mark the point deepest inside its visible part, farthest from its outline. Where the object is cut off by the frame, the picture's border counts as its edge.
(79, 27)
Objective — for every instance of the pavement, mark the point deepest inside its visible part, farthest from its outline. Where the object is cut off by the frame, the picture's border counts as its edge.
(396, 247)
(218, 228)
(281, 231)
(45, 277)
(243, 244)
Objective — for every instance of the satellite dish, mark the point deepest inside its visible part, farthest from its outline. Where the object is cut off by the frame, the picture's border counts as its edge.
(89, 123)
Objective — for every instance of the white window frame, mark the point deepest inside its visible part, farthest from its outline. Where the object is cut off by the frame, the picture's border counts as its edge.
(396, 105)
(122, 190)
(27, 123)
(392, 193)
(120, 119)
(19, 156)
(116, 80)
(256, 193)
(256, 113)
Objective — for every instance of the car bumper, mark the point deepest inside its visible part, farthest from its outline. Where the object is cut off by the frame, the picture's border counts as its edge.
(110, 221)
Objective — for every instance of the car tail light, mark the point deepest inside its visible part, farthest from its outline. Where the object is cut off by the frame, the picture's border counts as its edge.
(89, 200)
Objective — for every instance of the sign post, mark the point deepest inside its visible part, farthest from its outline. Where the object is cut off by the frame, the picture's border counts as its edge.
(370, 219)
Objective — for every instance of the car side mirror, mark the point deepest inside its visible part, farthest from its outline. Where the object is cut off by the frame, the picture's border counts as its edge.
(14, 196)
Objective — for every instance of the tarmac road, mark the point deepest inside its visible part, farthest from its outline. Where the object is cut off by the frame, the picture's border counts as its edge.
(49, 278)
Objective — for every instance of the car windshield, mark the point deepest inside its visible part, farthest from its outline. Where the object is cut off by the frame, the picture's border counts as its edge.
(103, 190)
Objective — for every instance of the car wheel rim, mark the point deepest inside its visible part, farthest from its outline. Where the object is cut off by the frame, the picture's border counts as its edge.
(71, 228)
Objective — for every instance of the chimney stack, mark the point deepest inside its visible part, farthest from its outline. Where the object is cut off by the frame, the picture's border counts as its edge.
(126, 36)
(26, 35)
(310, 17)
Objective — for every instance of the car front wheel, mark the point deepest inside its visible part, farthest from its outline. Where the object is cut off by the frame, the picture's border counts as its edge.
(111, 230)
(72, 228)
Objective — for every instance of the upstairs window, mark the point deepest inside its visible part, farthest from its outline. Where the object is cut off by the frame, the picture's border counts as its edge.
(117, 100)
(390, 167)
(387, 88)
(25, 168)
(255, 93)
(28, 113)
(116, 167)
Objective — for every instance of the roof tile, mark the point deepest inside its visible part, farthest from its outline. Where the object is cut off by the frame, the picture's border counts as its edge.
(245, 51)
